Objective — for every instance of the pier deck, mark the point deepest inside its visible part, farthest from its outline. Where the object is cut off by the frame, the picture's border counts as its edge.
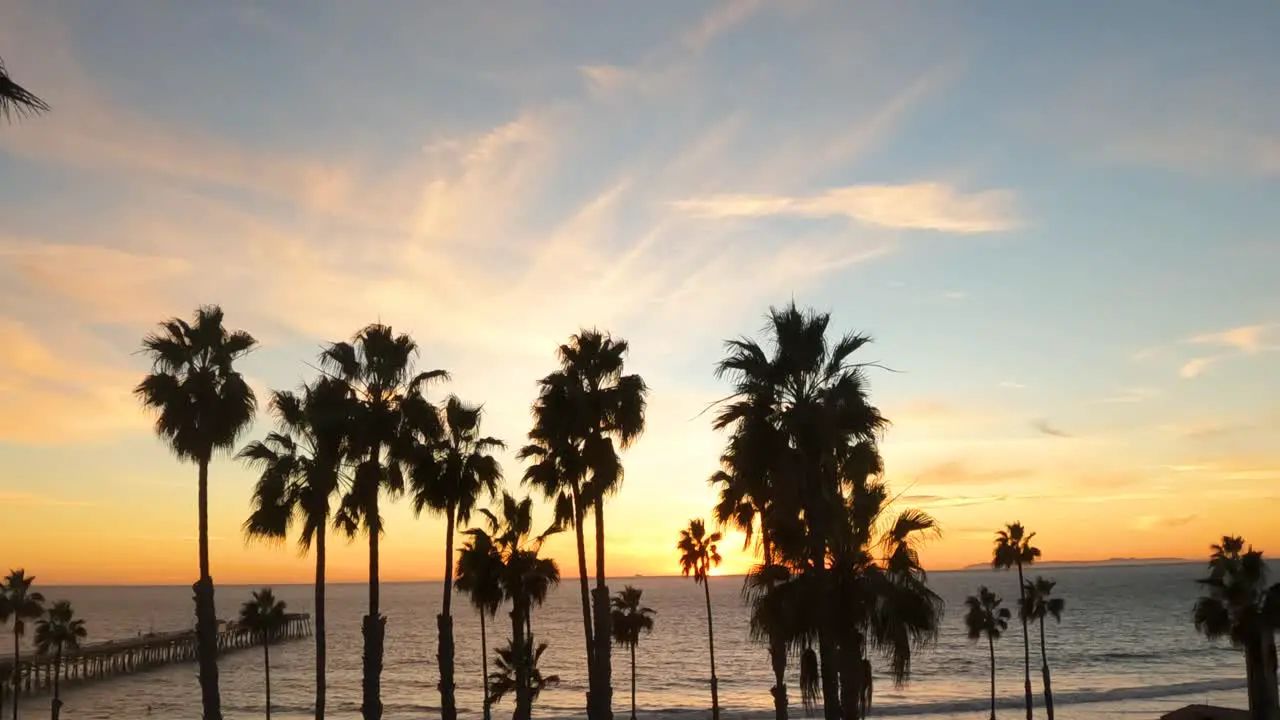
(102, 660)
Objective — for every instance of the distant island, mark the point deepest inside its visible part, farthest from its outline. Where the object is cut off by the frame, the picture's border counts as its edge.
(1095, 563)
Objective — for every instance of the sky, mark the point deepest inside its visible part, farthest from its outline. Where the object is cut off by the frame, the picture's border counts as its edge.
(1058, 221)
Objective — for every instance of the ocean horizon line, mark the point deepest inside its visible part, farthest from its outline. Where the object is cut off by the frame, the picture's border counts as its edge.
(1057, 564)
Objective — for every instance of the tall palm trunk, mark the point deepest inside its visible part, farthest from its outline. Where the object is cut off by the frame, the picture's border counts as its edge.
(584, 584)
(633, 681)
(777, 646)
(484, 666)
(1269, 672)
(1026, 644)
(1044, 670)
(519, 623)
(56, 707)
(603, 692)
(206, 615)
(266, 664)
(711, 644)
(991, 644)
(444, 621)
(374, 625)
(320, 636)
(17, 665)
(827, 659)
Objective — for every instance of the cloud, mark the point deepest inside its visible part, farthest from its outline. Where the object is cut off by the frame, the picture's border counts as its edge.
(956, 472)
(956, 501)
(1046, 429)
(52, 395)
(1153, 522)
(955, 295)
(1012, 385)
(1194, 367)
(1246, 339)
(917, 206)
(1132, 395)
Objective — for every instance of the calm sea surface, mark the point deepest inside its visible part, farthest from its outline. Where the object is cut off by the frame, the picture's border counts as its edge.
(1125, 647)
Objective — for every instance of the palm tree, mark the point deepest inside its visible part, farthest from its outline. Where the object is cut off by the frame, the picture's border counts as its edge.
(21, 604)
(631, 619)
(59, 630)
(263, 616)
(1013, 549)
(880, 591)
(203, 405)
(698, 554)
(451, 465)
(586, 412)
(514, 662)
(479, 575)
(526, 579)
(1037, 604)
(301, 470)
(795, 411)
(557, 471)
(984, 617)
(17, 100)
(378, 368)
(745, 505)
(1239, 604)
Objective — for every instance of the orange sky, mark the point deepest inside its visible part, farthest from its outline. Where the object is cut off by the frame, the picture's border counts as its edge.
(1075, 292)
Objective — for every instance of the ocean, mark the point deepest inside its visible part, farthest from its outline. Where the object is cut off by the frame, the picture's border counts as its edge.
(1126, 647)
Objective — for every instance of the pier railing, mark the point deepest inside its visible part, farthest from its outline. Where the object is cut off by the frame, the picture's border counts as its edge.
(119, 657)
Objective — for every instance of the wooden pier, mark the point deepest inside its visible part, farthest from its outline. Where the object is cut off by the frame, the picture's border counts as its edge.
(102, 660)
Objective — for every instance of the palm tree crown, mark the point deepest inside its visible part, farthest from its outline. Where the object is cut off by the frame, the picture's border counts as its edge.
(15, 100)
(59, 629)
(630, 618)
(263, 615)
(1038, 602)
(18, 602)
(452, 464)
(202, 402)
(984, 617)
(300, 463)
(698, 551)
(1238, 604)
(1013, 548)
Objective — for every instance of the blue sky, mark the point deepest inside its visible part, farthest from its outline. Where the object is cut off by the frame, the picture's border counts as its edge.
(1059, 222)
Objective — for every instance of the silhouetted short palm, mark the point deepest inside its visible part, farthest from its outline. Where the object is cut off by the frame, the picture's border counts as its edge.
(263, 616)
(57, 632)
(985, 618)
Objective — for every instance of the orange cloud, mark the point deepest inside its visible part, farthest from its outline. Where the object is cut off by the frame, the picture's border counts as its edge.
(918, 206)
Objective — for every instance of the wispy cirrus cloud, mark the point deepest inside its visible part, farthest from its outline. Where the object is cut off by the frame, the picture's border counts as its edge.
(916, 206)
(1242, 340)
(1155, 522)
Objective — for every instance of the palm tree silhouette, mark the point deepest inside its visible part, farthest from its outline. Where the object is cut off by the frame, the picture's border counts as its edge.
(19, 603)
(630, 620)
(263, 616)
(16, 100)
(586, 412)
(514, 662)
(698, 554)
(1013, 549)
(984, 617)
(450, 466)
(557, 471)
(744, 504)
(865, 584)
(202, 405)
(301, 470)
(479, 574)
(1239, 604)
(378, 368)
(526, 579)
(59, 630)
(795, 412)
(1036, 604)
